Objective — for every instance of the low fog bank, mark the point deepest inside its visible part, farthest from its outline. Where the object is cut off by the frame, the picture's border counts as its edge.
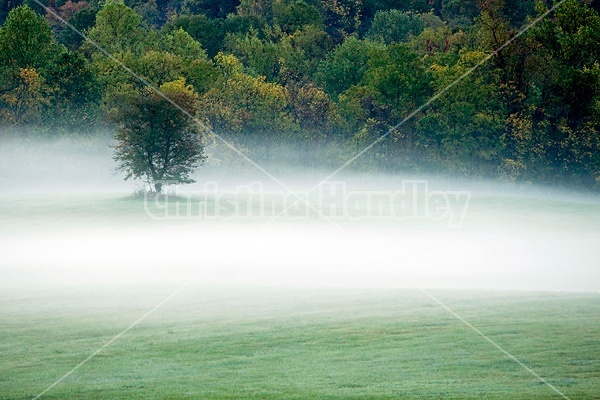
(307, 255)
(55, 165)
(513, 237)
(84, 164)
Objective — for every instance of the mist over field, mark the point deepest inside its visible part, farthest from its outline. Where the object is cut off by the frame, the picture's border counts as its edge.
(299, 199)
(68, 218)
(99, 283)
(57, 165)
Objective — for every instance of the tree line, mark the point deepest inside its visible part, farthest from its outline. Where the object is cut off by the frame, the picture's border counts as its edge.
(333, 75)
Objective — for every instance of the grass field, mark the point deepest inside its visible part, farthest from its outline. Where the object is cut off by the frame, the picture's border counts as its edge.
(232, 343)
(79, 270)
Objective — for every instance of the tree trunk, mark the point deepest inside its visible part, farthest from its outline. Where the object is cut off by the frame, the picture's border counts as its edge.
(158, 187)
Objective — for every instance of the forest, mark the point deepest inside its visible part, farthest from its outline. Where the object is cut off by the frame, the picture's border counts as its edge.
(328, 76)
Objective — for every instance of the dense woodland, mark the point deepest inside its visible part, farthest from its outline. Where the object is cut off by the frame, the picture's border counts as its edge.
(329, 75)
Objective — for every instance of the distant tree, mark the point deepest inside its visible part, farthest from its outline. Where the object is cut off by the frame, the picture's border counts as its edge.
(65, 12)
(261, 57)
(149, 11)
(462, 13)
(346, 65)
(201, 29)
(417, 6)
(394, 84)
(310, 45)
(432, 21)
(76, 92)
(175, 52)
(26, 40)
(82, 20)
(36, 70)
(194, 65)
(181, 43)
(24, 103)
(314, 111)
(293, 16)
(158, 67)
(239, 102)
(118, 28)
(212, 8)
(459, 13)
(397, 74)
(566, 75)
(243, 24)
(341, 17)
(438, 41)
(395, 26)
(259, 8)
(157, 142)
(462, 131)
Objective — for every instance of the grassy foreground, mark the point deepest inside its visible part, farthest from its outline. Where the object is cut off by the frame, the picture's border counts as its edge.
(233, 343)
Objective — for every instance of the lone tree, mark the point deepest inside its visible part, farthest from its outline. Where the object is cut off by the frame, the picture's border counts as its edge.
(157, 142)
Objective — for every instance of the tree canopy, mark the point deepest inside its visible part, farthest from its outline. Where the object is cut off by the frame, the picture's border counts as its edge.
(157, 142)
(337, 73)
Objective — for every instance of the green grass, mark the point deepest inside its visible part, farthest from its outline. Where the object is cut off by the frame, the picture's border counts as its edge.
(231, 343)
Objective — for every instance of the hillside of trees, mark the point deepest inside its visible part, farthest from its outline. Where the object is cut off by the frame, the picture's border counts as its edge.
(328, 75)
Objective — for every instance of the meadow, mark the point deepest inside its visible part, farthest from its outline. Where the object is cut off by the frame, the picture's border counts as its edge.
(274, 313)
(234, 343)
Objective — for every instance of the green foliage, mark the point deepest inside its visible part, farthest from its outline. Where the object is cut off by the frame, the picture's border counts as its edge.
(26, 40)
(518, 11)
(42, 81)
(397, 74)
(261, 57)
(158, 142)
(148, 11)
(438, 42)
(466, 124)
(158, 67)
(395, 26)
(294, 15)
(242, 24)
(212, 8)
(82, 20)
(76, 92)
(262, 9)
(205, 31)
(566, 66)
(431, 21)
(344, 71)
(341, 17)
(314, 111)
(459, 13)
(181, 43)
(346, 65)
(394, 84)
(239, 102)
(24, 103)
(201, 74)
(118, 28)
(310, 45)
(418, 6)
